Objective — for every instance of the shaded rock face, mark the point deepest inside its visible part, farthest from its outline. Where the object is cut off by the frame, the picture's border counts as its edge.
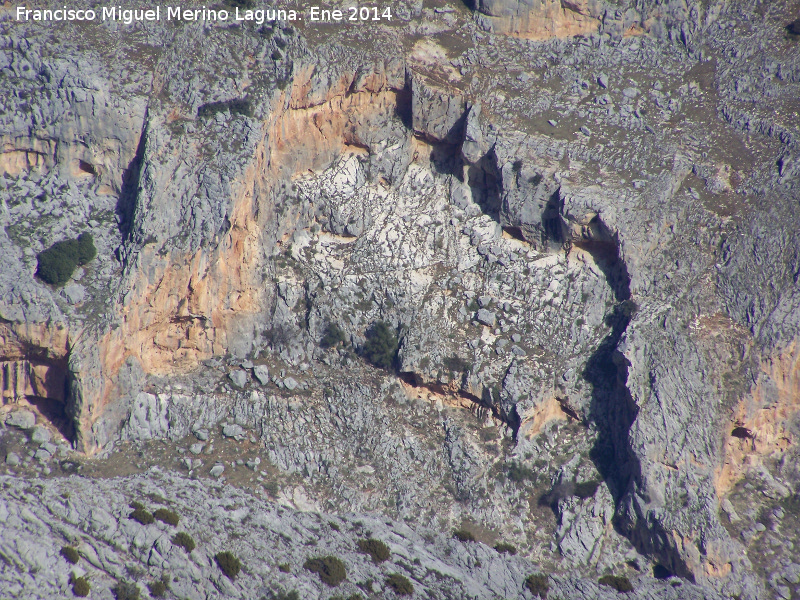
(551, 256)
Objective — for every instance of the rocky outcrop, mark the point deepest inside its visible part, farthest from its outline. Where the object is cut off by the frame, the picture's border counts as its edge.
(570, 238)
(545, 19)
(540, 20)
(112, 547)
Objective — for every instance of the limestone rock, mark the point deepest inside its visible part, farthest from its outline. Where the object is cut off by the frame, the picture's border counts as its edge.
(22, 419)
(486, 317)
(40, 435)
(261, 372)
(238, 377)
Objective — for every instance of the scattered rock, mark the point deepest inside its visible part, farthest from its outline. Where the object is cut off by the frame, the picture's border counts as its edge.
(630, 92)
(238, 378)
(727, 506)
(201, 434)
(261, 372)
(231, 430)
(196, 448)
(12, 459)
(791, 573)
(217, 470)
(49, 447)
(40, 435)
(23, 419)
(486, 317)
(74, 293)
(290, 383)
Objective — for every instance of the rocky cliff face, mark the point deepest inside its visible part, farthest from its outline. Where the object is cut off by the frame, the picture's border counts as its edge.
(545, 19)
(582, 239)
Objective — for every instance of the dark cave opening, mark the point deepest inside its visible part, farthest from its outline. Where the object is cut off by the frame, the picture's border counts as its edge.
(55, 411)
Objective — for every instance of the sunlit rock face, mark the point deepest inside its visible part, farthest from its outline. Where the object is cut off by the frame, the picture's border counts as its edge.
(574, 224)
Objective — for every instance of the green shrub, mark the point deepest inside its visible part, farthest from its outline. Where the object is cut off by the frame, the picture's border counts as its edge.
(538, 585)
(330, 569)
(504, 548)
(85, 250)
(70, 554)
(456, 364)
(400, 584)
(229, 564)
(282, 595)
(237, 106)
(517, 473)
(126, 591)
(167, 516)
(333, 336)
(381, 346)
(375, 548)
(55, 267)
(142, 516)
(618, 582)
(158, 588)
(794, 27)
(184, 540)
(284, 568)
(463, 535)
(80, 586)
(58, 262)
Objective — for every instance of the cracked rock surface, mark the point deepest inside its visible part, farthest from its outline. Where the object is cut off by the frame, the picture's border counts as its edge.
(525, 270)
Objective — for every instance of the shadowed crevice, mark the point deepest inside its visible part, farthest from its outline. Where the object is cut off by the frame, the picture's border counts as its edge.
(126, 203)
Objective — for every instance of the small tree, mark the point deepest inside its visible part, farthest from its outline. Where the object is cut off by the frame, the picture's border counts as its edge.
(167, 516)
(142, 516)
(58, 262)
(538, 585)
(400, 584)
(70, 554)
(330, 569)
(375, 548)
(620, 583)
(184, 540)
(229, 564)
(505, 548)
(463, 535)
(125, 590)
(333, 336)
(159, 587)
(381, 346)
(80, 586)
